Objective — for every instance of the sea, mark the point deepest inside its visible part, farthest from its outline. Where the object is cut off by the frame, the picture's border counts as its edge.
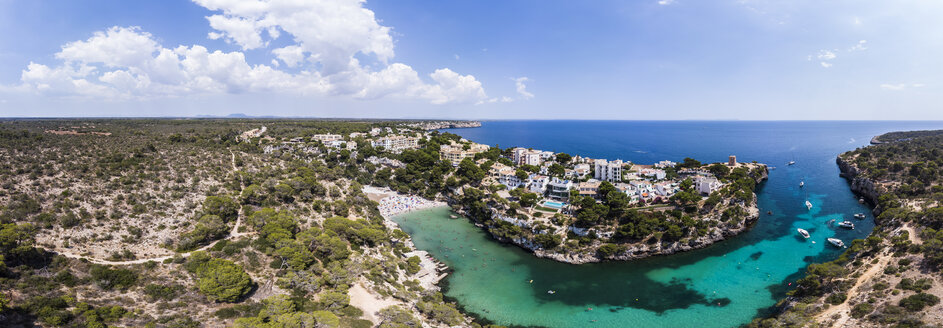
(727, 284)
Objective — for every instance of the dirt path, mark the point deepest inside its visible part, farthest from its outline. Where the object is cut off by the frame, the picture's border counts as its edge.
(912, 234)
(361, 298)
(232, 234)
(843, 309)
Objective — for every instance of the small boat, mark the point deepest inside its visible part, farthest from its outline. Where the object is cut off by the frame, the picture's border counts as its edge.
(791, 163)
(769, 212)
(837, 242)
(551, 292)
(531, 281)
(860, 200)
(801, 184)
(808, 205)
(804, 233)
(859, 216)
(846, 224)
(453, 216)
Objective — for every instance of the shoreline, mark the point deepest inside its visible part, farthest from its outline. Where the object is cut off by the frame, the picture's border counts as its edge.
(432, 271)
(393, 203)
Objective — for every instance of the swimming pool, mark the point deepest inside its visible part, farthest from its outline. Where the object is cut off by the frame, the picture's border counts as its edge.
(557, 205)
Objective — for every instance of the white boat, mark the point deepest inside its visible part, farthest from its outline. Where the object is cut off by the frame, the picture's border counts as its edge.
(803, 232)
(861, 200)
(791, 163)
(801, 184)
(837, 242)
(846, 224)
(808, 205)
(860, 216)
(551, 292)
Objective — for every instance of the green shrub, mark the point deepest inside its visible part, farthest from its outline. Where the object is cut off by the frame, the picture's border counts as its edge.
(836, 298)
(917, 302)
(219, 279)
(412, 265)
(861, 310)
(109, 279)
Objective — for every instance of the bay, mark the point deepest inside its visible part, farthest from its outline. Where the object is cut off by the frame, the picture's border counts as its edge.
(725, 285)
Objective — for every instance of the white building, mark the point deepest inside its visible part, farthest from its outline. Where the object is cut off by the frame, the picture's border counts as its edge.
(608, 171)
(581, 170)
(664, 164)
(706, 185)
(375, 131)
(538, 183)
(643, 189)
(326, 138)
(508, 177)
(666, 189)
(396, 143)
(456, 152)
(524, 156)
(559, 189)
(653, 173)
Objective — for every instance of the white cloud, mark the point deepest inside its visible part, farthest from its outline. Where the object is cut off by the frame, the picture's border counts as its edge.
(826, 55)
(665, 2)
(522, 88)
(127, 63)
(115, 47)
(290, 55)
(860, 46)
(901, 86)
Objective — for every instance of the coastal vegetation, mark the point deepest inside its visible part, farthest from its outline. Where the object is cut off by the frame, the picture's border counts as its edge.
(891, 278)
(187, 223)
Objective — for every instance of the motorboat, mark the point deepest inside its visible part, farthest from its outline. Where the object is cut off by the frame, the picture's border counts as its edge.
(801, 184)
(860, 216)
(837, 242)
(804, 233)
(860, 200)
(846, 224)
(554, 292)
(808, 205)
(791, 163)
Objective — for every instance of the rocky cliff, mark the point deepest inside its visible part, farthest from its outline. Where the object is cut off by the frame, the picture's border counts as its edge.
(860, 185)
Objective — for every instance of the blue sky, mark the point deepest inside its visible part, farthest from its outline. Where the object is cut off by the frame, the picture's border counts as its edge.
(659, 59)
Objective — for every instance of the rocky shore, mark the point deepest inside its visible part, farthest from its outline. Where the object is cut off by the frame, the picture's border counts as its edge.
(860, 185)
(638, 250)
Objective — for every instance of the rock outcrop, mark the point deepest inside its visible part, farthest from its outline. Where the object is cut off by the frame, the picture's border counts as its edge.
(860, 185)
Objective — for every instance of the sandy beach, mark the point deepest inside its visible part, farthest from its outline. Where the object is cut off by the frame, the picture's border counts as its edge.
(393, 203)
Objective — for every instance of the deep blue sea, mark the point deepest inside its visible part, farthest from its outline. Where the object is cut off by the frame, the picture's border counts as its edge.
(724, 285)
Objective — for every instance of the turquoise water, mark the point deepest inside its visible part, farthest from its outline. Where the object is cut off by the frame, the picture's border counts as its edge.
(557, 205)
(725, 285)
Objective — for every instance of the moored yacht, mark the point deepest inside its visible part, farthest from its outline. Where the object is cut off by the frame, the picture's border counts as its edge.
(803, 232)
(808, 205)
(791, 163)
(837, 242)
(846, 224)
(801, 184)
(859, 216)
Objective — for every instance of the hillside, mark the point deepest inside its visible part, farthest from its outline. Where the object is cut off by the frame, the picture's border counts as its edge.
(190, 223)
(893, 277)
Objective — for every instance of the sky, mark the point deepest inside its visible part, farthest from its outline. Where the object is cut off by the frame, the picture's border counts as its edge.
(463, 59)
